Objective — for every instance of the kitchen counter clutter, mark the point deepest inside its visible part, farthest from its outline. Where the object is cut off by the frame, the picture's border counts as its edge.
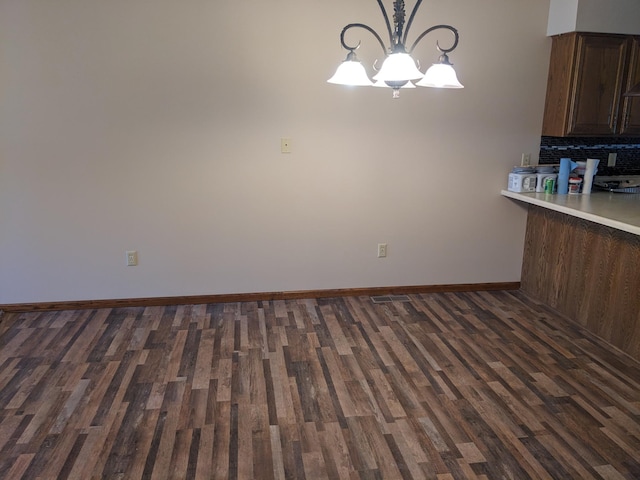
(616, 210)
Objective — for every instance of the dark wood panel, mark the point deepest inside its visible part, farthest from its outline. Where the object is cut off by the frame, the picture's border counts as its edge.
(631, 105)
(588, 73)
(559, 84)
(254, 297)
(589, 272)
(600, 69)
(456, 385)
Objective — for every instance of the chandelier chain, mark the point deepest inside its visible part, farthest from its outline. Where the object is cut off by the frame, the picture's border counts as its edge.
(398, 20)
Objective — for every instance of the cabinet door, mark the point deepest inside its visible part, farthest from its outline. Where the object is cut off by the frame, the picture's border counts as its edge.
(631, 105)
(598, 84)
(555, 122)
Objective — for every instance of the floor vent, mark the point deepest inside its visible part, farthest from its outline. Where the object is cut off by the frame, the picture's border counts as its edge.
(390, 298)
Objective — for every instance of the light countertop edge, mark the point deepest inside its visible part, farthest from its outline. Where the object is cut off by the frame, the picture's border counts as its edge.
(616, 210)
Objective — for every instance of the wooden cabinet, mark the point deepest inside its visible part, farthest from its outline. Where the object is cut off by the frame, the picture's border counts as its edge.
(631, 105)
(588, 75)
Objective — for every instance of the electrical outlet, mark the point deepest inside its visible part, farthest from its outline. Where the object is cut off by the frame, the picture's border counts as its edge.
(132, 258)
(611, 161)
(382, 250)
(526, 160)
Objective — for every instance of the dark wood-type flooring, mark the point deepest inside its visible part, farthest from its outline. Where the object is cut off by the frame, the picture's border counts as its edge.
(487, 385)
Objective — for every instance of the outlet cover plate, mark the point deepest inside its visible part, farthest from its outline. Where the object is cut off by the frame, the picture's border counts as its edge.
(132, 258)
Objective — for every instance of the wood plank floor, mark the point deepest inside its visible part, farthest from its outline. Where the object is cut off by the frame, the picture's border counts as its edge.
(487, 385)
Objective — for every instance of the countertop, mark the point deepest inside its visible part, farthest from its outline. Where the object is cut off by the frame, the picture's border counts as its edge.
(615, 210)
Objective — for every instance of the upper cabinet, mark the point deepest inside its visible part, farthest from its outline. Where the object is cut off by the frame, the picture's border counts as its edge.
(631, 105)
(588, 75)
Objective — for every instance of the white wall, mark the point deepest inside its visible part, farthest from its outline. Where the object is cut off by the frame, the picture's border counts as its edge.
(609, 16)
(606, 16)
(156, 126)
(563, 16)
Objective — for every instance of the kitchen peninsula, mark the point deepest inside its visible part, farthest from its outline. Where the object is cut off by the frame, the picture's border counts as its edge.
(582, 257)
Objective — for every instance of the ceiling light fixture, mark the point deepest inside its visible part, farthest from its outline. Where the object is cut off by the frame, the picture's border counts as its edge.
(399, 67)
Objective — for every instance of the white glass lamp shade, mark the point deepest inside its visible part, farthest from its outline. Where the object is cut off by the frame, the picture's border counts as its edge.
(351, 72)
(398, 67)
(440, 75)
(380, 83)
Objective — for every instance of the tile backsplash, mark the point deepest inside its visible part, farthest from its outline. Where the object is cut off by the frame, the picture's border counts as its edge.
(552, 149)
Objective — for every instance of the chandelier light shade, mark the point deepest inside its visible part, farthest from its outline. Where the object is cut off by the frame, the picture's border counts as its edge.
(382, 84)
(440, 75)
(399, 66)
(351, 72)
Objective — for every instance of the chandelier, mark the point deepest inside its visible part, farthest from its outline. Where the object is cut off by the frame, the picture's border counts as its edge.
(399, 69)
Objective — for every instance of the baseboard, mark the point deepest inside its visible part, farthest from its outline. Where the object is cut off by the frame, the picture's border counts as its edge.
(254, 297)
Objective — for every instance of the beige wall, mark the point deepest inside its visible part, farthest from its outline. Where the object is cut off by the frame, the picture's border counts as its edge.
(606, 16)
(156, 126)
(609, 16)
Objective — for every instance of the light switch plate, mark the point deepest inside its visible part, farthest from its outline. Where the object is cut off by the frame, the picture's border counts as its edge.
(285, 145)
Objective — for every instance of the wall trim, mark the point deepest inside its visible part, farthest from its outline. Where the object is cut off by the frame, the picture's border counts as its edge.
(253, 297)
